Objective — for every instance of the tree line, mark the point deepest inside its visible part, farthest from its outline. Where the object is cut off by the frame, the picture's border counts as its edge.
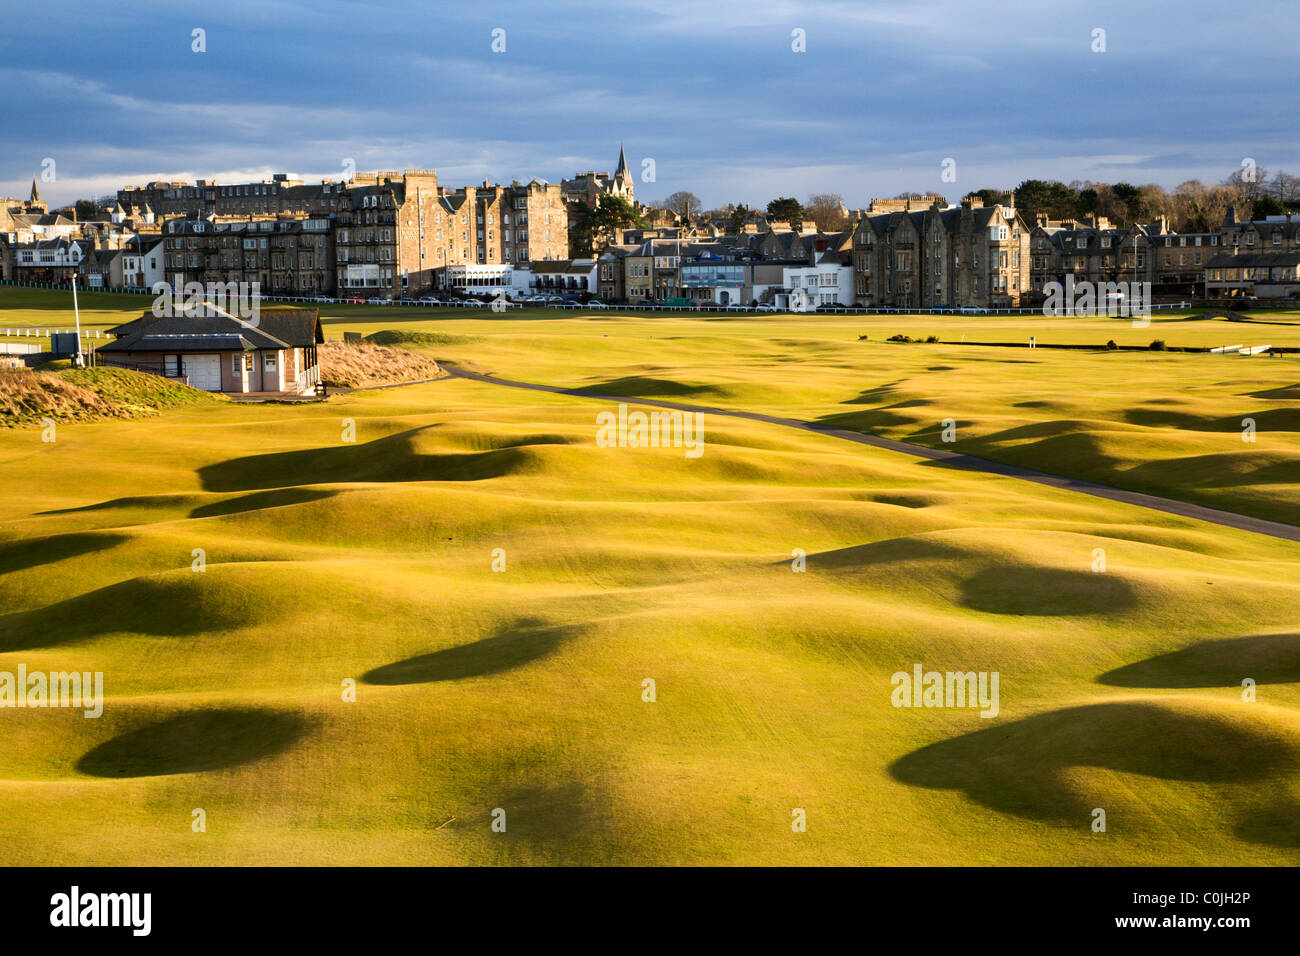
(1192, 206)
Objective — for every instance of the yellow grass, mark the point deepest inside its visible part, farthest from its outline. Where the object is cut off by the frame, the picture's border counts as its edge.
(329, 560)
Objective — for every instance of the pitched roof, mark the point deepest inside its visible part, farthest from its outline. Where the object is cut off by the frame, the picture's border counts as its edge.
(1251, 259)
(273, 329)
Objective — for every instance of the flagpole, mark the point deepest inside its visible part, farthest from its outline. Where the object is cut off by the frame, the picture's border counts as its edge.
(77, 316)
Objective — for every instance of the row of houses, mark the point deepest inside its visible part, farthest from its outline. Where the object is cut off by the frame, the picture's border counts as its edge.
(927, 253)
(1253, 258)
(385, 234)
(402, 235)
(904, 253)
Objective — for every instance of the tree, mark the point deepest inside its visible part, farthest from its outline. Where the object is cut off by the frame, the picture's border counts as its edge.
(1266, 205)
(786, 209)
(738, 217)
(1129, 199)
(1200, 208)
(1249, 181)
(988, 197)
(85, 209)
(828, 211)
(686, 204)
(598, 227)
(1051, 198)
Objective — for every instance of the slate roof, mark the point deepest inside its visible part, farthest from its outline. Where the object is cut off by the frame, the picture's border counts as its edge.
(1248, 260)
(275, 329)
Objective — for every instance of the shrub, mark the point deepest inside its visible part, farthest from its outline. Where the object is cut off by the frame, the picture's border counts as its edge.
(1111, 345)
(862, 338)
(1158, 345)
(899, 338)
(932, 339)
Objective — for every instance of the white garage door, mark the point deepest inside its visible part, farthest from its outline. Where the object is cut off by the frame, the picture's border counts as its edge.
(204, 371)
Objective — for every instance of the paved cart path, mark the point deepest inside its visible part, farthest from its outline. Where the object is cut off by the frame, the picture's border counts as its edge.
(1228, 519)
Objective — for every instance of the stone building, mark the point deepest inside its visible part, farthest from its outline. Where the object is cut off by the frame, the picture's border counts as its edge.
(943, 256)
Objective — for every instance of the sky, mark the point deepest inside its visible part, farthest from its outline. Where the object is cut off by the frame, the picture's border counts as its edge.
(734, 100)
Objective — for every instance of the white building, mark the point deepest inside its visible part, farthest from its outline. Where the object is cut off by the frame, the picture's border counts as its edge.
(563, 277)
(469, 278)
(830, 282)
(142, 261)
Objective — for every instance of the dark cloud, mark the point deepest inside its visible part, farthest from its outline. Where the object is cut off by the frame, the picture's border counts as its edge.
(713, 93)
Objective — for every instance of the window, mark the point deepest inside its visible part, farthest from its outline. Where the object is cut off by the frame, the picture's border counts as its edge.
(269, 361)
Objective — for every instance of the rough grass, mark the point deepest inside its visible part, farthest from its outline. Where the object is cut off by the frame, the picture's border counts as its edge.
(27, 397)
(364, 365)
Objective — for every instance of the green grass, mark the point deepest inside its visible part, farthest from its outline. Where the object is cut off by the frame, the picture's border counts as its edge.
(372, 561)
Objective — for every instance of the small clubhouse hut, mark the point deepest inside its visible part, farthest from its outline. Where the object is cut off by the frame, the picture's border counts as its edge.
(271, 354)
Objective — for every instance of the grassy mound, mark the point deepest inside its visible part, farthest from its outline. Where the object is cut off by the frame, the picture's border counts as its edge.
(409, 337)
(88, 394)
(363, 365)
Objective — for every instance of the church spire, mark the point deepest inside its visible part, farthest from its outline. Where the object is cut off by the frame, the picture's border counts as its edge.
(622, 169)
(36, 193)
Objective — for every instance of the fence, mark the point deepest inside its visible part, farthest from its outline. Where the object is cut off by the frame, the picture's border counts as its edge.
(1238, 303)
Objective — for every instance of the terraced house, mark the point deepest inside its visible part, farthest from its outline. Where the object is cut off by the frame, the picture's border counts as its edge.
(283, 256)
(942, 256)
(388, 234)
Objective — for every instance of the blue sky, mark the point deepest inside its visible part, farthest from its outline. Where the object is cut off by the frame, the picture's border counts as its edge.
(712, 92)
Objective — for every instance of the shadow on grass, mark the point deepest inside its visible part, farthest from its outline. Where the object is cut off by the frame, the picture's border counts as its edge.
(194, 742)
(527, 641)
(1017, 767)
(275, 498)
(887, 551)
(171, 604)
(392, 458)
(33, 552)
(131, 501)
(1025, 589)
(1266, 659)
(638, 386)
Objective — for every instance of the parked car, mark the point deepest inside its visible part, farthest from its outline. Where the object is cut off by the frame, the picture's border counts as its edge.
(596, 304)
